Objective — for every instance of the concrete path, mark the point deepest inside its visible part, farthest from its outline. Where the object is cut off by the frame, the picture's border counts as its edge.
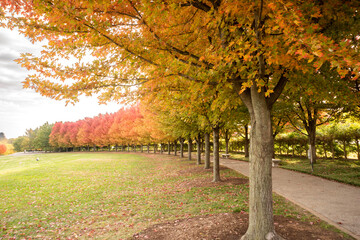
(336, 203)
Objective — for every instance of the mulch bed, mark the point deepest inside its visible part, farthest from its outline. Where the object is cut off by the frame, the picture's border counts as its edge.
(231, 226)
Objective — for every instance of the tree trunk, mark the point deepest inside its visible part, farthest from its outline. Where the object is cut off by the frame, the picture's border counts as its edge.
(155, 146)
(261, 223)
(344, 147)
(148, 148)
(216, 170)
(161, 148)
(312, 141)
(287, 150)
(202, 145)
(280, 145)
(181, 147)
(198, 149)
(175, 148)
(247, 141)
(207, 151)
(169, 148)
(142, 148)
(324, 146)
(227, 139)
(94, 149)
(189, 148)
(357, 148)
(332, 150)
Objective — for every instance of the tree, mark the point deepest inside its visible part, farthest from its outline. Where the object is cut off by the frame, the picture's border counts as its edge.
(2, 149)
(41, 140)
(355, 133)
(318, 99)
(84, 132)
(55, 135)
(251, 48)
(102, 127)
(2, 136)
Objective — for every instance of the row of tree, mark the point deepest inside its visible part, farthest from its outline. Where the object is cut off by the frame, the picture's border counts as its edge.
(133, 127)
(337, 139)
(34, 139)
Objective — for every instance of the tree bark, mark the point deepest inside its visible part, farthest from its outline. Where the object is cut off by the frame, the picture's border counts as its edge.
(207, 151)
(247, 141)
(261, 223)
(189, 148)
(175, 148)
(325, 153)
(181, 147)
(227, 139)
(287, 149)
(357, 148)
(216, 170)
(198, 149)
(148, 148)
(280, 145)
(155, 146)
(312, 141)
(169, 149)
(344, 148)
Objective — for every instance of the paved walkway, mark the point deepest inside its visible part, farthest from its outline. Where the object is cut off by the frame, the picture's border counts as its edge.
(336, 203)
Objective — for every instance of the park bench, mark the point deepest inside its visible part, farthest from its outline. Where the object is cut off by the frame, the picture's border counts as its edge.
(275, 162)
(225, 155)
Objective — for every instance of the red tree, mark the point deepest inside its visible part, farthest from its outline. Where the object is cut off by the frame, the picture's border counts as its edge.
(3, 148)
(55, 134)
(83, 135)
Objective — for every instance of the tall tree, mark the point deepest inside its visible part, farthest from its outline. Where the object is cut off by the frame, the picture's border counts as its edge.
(42, 137)
(84, 133)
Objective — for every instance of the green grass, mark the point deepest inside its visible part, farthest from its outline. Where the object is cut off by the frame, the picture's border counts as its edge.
(345, 171)
(110, 195)
(239, 156)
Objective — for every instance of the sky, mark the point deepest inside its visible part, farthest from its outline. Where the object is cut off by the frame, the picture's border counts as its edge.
(22, 109)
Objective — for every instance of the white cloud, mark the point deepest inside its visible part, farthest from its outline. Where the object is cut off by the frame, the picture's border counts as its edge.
(22, 109)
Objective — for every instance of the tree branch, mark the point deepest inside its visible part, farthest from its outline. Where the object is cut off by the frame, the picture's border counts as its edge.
(277, 91)
(197, 4)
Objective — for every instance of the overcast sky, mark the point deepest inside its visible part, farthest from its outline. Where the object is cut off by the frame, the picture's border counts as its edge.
(21, 109)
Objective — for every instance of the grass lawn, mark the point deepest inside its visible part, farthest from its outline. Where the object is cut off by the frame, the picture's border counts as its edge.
(110, 195)
(346, 171)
